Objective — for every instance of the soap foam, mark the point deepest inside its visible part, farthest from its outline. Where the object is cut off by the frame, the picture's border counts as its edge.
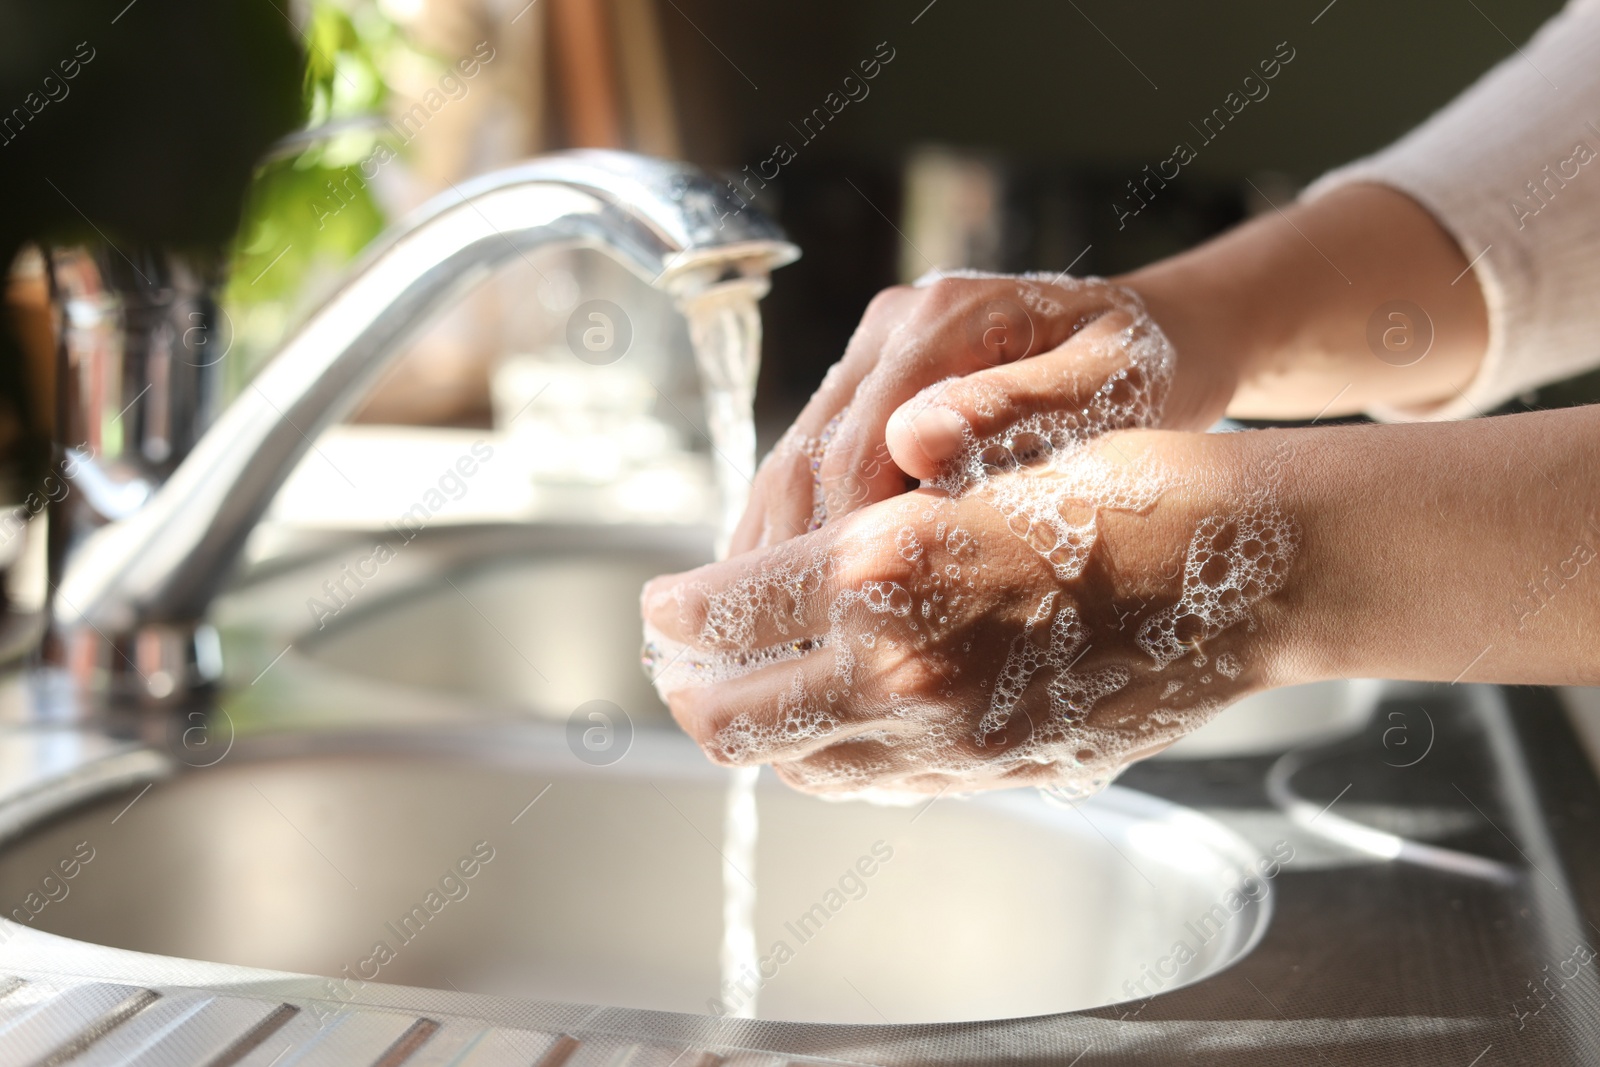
(1234, 562)
(1131, 396)
(811, 451)
(839, 728)
(1057, 517)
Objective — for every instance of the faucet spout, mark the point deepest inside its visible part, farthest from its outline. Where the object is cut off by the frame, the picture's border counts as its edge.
(671, 224)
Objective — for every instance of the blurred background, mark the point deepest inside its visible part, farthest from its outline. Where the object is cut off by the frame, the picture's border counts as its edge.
(887, 136)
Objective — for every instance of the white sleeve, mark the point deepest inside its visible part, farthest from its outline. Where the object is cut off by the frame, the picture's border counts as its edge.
(1511, 168)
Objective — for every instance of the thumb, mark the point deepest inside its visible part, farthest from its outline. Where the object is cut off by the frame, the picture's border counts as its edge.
(1079, 381)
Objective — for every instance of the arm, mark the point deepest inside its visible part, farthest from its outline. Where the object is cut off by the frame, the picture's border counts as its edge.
(1444, 552)
(935, 641)
(1086, 578)
(1272, 319)
(1511, 171)
(1281, 307)
(1269, 320)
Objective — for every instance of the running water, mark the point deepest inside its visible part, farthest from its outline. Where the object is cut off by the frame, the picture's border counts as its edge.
(738, 957)
(725, 328)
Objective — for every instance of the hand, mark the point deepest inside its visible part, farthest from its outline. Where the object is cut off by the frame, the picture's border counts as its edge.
(1046, 625)
(1262, 324)
(935, 366)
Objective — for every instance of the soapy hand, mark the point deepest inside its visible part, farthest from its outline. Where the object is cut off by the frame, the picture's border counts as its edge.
(1046, 617)
(936, 365)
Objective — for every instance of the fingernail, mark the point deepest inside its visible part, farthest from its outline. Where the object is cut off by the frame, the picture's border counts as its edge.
(939, 431)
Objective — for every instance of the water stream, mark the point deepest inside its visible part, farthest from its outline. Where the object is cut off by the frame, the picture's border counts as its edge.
(725, 328)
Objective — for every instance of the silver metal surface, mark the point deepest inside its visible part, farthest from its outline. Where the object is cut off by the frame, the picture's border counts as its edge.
(496, 862)
(141, 340)
(141, 344)
(523, 621)
(669, 223)
(1367, 960)
(49, 1021)
(1282, 718)
(603, 890)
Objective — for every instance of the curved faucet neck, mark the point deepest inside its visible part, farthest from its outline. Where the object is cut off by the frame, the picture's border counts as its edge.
(670, 224)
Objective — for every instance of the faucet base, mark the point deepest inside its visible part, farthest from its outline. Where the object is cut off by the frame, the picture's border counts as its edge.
(157, 665)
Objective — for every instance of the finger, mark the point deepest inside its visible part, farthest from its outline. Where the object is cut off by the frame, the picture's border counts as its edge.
(784, 711)
(782, 501)
(853, 766)
(895, 765)
(744, 602)
(960, 329)
(783, 594)
(930, 429)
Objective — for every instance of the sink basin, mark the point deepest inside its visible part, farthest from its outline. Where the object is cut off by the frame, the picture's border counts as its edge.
(522, 620)
(399, 804)
(1281, 719)
(556, 880)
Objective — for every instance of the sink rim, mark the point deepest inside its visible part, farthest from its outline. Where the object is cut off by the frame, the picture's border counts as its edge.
(1212, 1014)
(657, 754)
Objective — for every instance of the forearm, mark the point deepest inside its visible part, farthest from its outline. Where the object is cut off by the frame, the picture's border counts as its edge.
(1278, 310)
(1441, 551)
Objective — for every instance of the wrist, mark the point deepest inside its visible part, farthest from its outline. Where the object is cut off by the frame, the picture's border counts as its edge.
(1279, 310)
(1227, 537)
(1216, 338)
(1444, 552)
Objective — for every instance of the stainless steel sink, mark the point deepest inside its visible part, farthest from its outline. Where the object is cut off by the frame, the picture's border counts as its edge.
(498, 620)
(418, 744)
(603, 885)
(542, 629)
(328, 798)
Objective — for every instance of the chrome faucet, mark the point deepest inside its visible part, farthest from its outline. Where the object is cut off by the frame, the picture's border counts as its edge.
(144, 581)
